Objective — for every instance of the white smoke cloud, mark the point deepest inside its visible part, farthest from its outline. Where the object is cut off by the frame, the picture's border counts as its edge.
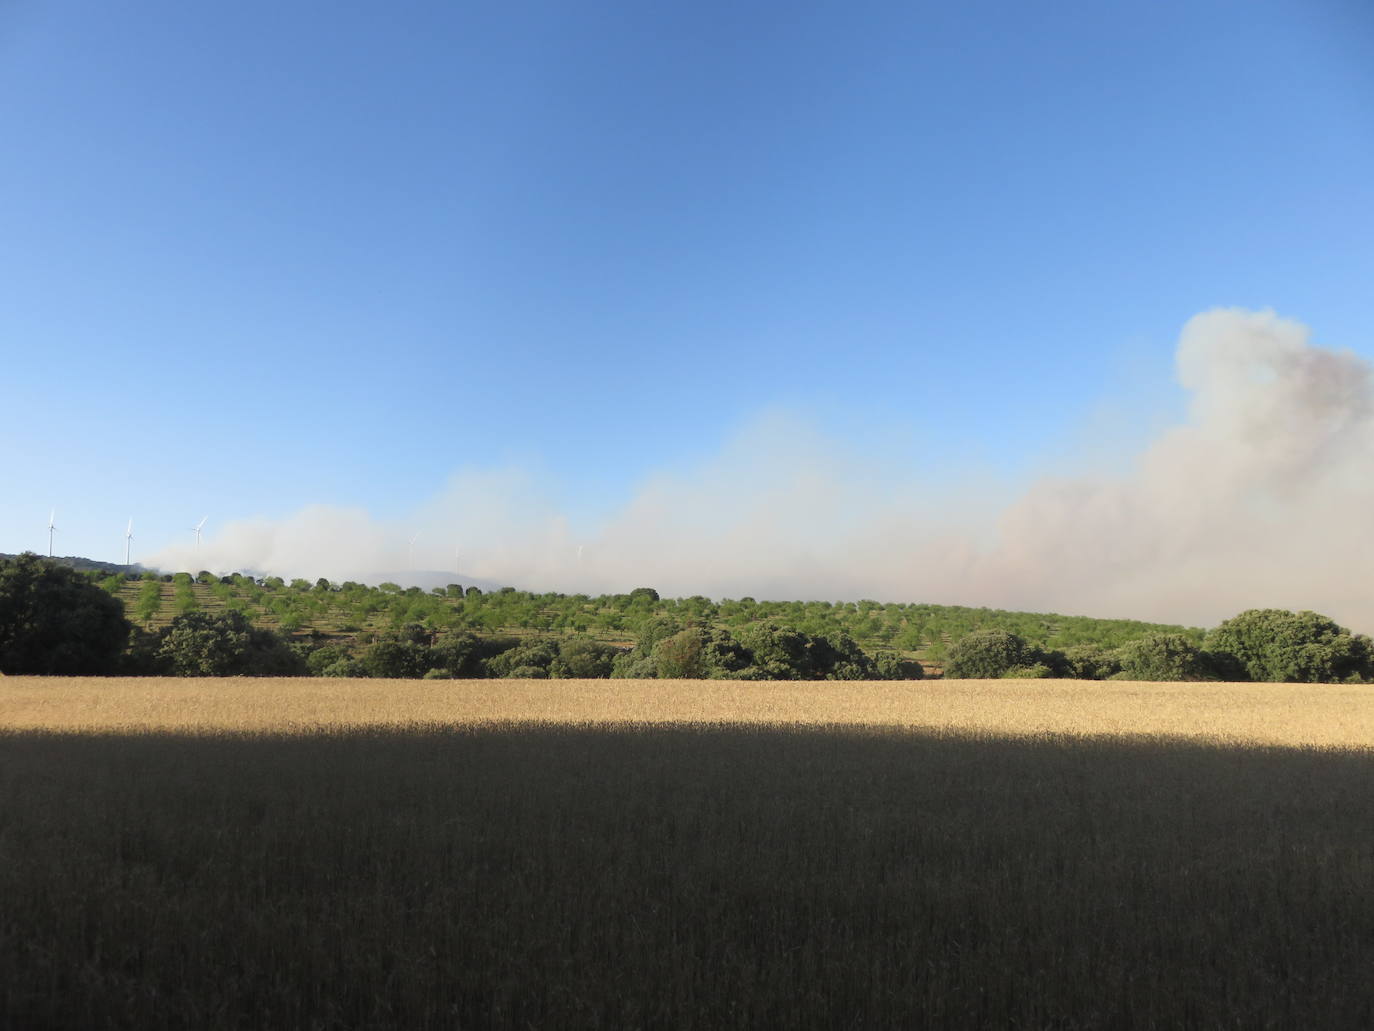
(1259, 498)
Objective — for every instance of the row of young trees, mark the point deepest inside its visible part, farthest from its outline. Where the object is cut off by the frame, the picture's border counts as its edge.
(351, 607)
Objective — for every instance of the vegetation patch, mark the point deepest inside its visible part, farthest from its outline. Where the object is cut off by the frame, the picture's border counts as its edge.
(240, 626)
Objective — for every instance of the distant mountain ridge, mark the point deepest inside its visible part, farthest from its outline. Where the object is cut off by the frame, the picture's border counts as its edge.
(426, 579)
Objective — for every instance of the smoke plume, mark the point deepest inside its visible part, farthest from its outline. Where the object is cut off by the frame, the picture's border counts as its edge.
(1258, 498)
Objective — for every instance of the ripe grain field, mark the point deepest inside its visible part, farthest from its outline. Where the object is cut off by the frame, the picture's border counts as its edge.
(320, 854)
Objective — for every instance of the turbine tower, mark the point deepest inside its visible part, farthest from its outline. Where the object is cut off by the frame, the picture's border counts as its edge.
(410, 555)
(196, 530)
(52, 517)
(128, 544)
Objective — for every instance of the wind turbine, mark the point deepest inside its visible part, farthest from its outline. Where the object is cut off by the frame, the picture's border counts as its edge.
(411, 552)
(128, 543)
(52, 517)
(196, 530)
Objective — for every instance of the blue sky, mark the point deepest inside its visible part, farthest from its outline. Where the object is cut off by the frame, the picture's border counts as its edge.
(257, 257)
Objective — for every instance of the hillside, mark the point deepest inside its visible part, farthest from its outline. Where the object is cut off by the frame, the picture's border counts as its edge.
(350, 615)
(88, 565)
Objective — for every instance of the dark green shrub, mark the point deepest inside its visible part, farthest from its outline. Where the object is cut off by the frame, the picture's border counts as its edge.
(889, 665)
(1163, 657)
(520, 661)
(1034, 671)
(985, 654)
(203, 644)
(397, 659)
(1282, 646)
(457, 655)
(680, 656)
(653, 630)
(583, 658)
(1090, 662)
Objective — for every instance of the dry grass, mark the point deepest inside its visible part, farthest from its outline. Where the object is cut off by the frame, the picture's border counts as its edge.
(1320, 715)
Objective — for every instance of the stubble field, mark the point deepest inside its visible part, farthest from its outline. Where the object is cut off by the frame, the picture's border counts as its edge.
(319, 854)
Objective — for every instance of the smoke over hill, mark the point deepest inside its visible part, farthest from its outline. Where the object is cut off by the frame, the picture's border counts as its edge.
(1260, 497)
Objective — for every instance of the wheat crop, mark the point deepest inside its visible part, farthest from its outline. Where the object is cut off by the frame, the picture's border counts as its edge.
(1315, 715)
(436, 854)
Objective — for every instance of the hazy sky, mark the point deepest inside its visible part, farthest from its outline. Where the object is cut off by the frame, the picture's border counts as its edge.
(788, 289)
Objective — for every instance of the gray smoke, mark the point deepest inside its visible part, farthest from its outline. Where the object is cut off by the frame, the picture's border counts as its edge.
(1259, 498)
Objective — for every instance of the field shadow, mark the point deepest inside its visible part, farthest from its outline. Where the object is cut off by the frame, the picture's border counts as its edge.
(691, 876)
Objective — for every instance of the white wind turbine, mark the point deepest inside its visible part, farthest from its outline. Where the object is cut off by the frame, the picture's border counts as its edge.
(196, 530)
(128, 542)
(410, 555)
(52, 517)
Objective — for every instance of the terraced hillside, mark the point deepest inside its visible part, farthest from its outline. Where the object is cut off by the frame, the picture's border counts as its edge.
(352, 614)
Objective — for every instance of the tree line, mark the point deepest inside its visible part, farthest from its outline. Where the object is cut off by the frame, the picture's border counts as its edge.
(56, 620)
(1269, 645)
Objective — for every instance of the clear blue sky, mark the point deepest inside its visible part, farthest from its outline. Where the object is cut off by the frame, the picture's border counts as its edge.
(256, 256)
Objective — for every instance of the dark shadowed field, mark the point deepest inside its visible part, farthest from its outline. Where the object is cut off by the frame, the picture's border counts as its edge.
(533, 875)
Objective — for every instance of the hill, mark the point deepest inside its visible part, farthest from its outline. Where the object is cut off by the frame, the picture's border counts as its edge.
(351, 615)
(89, 565)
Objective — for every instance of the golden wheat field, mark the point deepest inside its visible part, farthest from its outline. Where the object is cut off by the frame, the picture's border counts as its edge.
(1312, 715)
(315, 853)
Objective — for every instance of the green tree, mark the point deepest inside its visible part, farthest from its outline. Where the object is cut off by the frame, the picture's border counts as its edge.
(837, 656)
(780, 652)
(457, 655)
(653, 630)
(203, 644)
(777, 652)
(1163, 657)
(529, 660)
(1030, 671)
(396, 659)
(1090, 662)
(55, 621)
(892, 666)
(582, 658)
(149, 600)
(679, 657)
(691, 653)
(184, 599)
(333, 660)
(1294, 647)
(322, 658)
(986, 654)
